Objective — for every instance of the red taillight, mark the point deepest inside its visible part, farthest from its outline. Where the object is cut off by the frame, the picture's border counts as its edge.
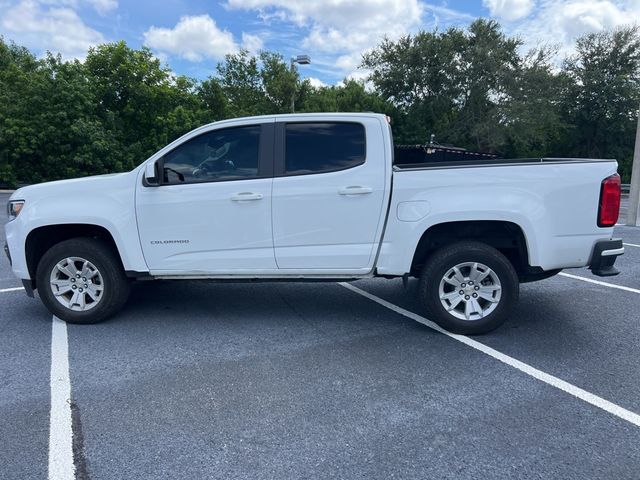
(609, 201)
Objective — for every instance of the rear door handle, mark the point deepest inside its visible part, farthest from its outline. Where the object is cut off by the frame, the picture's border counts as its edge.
(355, 190)
(246, 196)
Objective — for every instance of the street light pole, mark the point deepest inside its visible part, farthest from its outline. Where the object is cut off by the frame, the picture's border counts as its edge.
(633, 213)
(293, 94)
(302, 60)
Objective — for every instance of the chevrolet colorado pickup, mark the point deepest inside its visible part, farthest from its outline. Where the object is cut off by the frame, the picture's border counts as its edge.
(315, 197)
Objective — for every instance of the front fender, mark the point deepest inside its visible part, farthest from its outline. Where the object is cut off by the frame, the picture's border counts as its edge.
(103, 201)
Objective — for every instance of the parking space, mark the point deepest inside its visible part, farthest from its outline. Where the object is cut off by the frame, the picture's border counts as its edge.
(25, 339)
(201, 380)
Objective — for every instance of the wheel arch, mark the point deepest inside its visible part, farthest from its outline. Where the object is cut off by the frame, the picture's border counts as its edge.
(42, 238)
(507, 237)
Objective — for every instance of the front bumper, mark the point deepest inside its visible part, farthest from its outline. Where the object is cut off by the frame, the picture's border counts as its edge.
(27, 284)
(604, 256)
(6, 250)
(14, 239)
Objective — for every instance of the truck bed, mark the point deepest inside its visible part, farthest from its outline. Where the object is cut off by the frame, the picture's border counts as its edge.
(556, 206)
(493, 162)
(483, 162)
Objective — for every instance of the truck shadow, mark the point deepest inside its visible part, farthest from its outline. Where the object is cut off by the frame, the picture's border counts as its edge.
(544, 315)
(278, 303)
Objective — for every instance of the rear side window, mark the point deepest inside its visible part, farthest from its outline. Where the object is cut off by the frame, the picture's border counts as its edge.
(323, 147)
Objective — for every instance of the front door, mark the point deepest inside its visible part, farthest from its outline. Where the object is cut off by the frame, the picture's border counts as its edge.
(212, 212)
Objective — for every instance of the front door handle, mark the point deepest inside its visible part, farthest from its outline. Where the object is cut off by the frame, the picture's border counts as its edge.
(246, 196)
(355, 190)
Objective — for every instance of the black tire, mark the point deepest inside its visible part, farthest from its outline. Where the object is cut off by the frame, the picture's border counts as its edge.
(115, 284)
(444, 259)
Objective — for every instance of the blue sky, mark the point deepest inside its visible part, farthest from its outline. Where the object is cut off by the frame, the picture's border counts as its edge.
(192, 36)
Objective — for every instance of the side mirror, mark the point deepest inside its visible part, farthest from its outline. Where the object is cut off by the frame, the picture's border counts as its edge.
(151, 177)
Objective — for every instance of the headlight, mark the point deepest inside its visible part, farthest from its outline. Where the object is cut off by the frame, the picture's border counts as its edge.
(14, 208)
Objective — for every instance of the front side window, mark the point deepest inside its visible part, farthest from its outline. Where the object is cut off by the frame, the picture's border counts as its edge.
(323, 147)
(226, 154)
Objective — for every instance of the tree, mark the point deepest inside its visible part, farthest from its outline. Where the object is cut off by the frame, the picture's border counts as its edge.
(418, 75)
(256, 85)
(471, 87)
(487, 66)
(532, 111)
(138, 100)
(18, 71)
(603, 94)
(279, 82)
(47, 123)
(212, 100)
(453, 84)
(350, 96)
(241, 84)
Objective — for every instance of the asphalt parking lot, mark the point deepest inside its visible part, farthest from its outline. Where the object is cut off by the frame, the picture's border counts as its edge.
(274, 381)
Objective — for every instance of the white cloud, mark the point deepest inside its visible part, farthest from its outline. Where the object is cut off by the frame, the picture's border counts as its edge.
(252, 43)
(194, 37)
(359, 76)
(560, 22)
(104, 6)
(340, 14)
(316, 82)
(509, 9)
(101, 6)
(348, 61)
(58, 29)
(328, 39)
(577, 18)
(341, 27)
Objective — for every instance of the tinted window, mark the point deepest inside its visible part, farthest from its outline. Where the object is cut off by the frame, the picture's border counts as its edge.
(227, 154)
(323, 147)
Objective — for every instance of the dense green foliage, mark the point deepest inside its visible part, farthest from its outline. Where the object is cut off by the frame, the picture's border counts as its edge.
(472, 88)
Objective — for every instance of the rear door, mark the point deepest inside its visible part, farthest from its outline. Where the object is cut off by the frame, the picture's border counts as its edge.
(328, 193)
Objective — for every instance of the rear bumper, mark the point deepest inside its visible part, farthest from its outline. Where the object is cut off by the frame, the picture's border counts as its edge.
(604, 256)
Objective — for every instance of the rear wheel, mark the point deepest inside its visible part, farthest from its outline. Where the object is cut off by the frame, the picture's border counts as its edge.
(81, 281)
(468, 287)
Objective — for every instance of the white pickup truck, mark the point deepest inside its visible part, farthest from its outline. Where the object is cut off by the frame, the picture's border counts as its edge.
(315, 197)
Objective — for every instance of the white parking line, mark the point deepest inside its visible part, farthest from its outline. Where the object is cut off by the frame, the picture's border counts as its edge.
(598, 282)
(15, 289)
(61, 466)
(631, 245)
(569, 388)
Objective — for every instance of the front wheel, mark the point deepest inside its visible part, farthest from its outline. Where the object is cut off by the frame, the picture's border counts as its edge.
(81, 281)
(468, 287)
